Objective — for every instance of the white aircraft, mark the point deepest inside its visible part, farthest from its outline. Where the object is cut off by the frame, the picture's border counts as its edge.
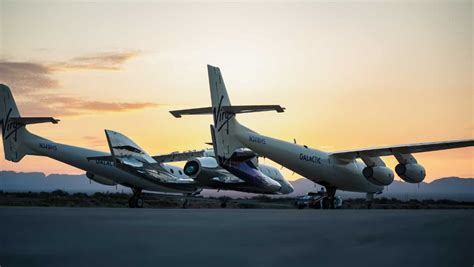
(19, 142)
(129, 165)
(333, 170)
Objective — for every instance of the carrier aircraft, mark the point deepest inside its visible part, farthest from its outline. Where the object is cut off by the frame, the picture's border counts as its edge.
(129, 165)
(99, 166)
(358, 170)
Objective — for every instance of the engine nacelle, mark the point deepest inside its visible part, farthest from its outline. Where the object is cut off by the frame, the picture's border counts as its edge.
(194, 167)
(378, 175)
(100, 179)
(411, 173)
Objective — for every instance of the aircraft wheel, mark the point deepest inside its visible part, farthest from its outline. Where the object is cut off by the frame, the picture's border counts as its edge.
(223, 205)
(139, 202)
(300, 207)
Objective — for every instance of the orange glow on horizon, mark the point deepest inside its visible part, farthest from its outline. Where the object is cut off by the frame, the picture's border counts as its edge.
(351, 75)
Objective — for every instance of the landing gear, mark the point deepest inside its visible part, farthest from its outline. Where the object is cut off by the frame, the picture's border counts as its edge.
(136, 201)
(329, 203)
(369, 198)
(185, 204)
(223, 201)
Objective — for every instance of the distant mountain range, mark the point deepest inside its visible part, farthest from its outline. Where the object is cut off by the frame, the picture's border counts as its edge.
(450, 187)
(454, 188)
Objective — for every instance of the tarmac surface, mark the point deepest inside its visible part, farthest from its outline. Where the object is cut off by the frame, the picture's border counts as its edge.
(234, 237)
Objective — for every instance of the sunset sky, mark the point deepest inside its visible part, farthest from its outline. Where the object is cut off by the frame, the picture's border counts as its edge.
(351, 74)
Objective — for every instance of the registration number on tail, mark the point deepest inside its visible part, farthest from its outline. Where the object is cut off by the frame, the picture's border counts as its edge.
(48, 146)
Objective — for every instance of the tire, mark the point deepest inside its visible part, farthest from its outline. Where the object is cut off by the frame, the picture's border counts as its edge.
(223, 205)
(139, 202)
(300, 207)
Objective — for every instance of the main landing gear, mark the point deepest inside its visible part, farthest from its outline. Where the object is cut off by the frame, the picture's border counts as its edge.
(328, 203)
(185, 204)
(187, 197)
(224, 204)
(136, 201)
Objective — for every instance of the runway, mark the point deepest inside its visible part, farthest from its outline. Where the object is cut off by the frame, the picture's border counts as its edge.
(235, 237)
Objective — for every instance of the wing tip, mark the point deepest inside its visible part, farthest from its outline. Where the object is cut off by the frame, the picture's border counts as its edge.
(175, 113)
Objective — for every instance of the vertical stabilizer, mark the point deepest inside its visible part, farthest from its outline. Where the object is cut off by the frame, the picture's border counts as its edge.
(226, 130)
(225, 124)
(13, 133)
(123, 147)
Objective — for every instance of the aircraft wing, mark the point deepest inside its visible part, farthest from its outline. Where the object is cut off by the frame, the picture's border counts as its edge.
(402, 149)
(179, 156)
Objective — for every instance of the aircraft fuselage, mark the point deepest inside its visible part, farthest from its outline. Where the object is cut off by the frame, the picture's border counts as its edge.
(313, 164)
(78, 157)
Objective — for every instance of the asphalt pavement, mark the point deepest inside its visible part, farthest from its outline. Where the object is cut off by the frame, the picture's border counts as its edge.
(234, 237)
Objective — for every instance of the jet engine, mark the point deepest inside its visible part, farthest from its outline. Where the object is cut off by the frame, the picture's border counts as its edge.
(195, 166)
(411, 173)
(378, 175)
(100, 179)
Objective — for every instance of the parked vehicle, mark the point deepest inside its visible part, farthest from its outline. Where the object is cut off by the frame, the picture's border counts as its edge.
(319, 200)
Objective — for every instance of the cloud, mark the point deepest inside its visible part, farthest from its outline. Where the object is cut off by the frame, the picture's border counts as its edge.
(95, 141)
(35, 85)
(27, 77)
(70, 106)
(102, 61)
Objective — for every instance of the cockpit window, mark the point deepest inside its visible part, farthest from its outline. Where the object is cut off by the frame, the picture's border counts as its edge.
(171, 170)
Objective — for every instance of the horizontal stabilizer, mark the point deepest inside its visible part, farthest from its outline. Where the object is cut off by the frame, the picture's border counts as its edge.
(228, 109)
(34, 120)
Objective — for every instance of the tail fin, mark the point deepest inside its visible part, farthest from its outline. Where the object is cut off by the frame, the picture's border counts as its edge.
(226, 128)
(225, 125)
(219, 99)
(122, 147)
(219, 96)
(14, 134)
